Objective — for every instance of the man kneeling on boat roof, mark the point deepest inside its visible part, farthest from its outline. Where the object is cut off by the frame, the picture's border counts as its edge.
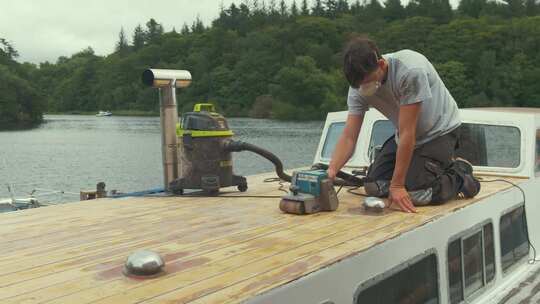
(417, 165)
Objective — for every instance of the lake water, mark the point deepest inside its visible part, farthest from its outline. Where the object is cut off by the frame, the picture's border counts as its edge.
(74, 152)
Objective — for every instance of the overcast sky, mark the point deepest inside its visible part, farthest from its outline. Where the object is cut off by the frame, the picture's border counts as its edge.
(43, 30)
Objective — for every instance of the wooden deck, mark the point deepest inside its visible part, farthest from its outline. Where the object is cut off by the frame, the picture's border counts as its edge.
(217, 250)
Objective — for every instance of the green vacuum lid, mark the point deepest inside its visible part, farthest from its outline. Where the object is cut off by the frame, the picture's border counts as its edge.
(203, 122)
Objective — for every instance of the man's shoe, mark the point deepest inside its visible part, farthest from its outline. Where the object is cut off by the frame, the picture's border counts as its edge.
(378, 188)
(462, 165)
(470, 186)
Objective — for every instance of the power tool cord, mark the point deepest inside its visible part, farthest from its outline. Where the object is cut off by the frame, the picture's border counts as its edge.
(533, 260)
(267, 180)
(279, 181)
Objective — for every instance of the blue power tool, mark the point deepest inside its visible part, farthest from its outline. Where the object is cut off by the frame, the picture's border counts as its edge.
(311, 191)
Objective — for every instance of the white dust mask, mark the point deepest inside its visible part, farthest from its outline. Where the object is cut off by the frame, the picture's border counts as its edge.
(368, 89)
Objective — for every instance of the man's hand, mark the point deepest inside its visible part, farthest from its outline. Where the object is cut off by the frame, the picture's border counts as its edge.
(331, 173)
(400, 196)
(345, 145)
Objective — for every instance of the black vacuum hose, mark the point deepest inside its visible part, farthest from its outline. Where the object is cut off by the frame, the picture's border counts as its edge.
(237, 146)
(343, 179)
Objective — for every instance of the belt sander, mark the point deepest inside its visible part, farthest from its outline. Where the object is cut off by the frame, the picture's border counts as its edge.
(311, 191)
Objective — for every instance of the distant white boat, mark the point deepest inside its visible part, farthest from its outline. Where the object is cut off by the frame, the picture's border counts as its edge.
(103, 113)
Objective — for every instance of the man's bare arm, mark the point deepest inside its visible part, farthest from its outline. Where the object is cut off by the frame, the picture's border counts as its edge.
(346, 144)
(408, 118)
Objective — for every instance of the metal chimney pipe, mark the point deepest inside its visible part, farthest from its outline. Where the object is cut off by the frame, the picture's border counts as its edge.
(167, 81)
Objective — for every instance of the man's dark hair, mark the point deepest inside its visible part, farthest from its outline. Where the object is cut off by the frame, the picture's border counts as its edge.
(360, 57)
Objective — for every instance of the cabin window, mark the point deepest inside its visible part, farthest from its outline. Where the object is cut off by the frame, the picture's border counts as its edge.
(418, 283)
(454, 272)
(490, 145)
(489, 252)
(471, 263)
(483, 145)
(382, 130)
(332, 136)
(514, 239)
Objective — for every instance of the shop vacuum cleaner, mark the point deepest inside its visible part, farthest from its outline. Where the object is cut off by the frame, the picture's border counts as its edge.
(197, 153)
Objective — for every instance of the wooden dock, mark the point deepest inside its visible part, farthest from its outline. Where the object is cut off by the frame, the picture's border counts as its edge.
(216, 249)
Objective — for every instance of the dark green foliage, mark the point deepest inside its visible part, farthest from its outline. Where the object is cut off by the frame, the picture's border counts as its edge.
(455, 78)
(472, 8)
(21, 104)
(269, 59)
(138, 38)
(304, 9)
(394, 10)
(7, 50)
(318, 9)
(294, 9)
(122, 46)
(439, 10)
(154, 31)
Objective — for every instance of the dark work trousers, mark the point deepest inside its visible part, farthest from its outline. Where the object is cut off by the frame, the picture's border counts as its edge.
(430, 178)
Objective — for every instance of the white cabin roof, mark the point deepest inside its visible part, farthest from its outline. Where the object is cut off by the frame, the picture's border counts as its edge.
(527, 120)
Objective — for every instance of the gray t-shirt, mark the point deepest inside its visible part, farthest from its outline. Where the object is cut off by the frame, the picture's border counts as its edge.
(411, 79)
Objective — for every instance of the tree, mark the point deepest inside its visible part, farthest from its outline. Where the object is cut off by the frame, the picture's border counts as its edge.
(185, 29)
(454, 76)
(122, 46)
(532, 7)
(154, 31)
(255, 5)
(515, 8)
(138, 38)
(198, 26)
(393, 10)
(8, 49)
(485, 79)
(21, 104)
(331, 8)
(318, 9)
(342, 7)
(439, 10)
(442, 11)
(293, 85)
(283, 9)
(472, 8)
(294, 9)
(374, 9)
(304, 10)
(356, 7)
(272, 8)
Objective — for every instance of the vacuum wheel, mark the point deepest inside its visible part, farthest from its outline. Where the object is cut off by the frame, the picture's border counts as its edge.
(242, 188)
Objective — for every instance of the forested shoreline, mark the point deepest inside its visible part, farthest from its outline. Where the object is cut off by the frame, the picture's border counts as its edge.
(268, 59)
(21, 102)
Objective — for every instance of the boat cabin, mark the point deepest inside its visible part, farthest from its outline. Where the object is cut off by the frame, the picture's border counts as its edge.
(240, 248)
(479, 250)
